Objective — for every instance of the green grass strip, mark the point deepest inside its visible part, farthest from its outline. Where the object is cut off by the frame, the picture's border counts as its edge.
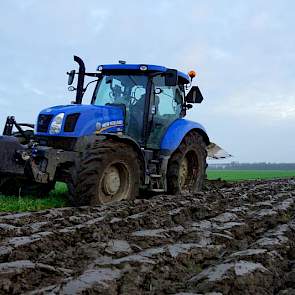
(237, 175)
(56, 199)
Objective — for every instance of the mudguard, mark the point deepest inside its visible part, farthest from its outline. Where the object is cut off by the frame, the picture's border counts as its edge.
(176, 132)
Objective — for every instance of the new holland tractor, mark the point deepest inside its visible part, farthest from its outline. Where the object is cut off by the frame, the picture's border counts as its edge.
(131, 137)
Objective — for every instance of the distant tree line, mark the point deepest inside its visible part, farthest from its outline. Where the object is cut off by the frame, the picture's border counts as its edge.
(252, 166)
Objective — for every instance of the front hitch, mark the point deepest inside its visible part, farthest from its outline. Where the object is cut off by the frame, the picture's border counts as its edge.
(45, 161)
(37, 163)
(11, 122)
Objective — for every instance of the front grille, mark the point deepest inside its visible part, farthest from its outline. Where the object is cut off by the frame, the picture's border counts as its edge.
(71, 122)
(43, 123)
(56, 142)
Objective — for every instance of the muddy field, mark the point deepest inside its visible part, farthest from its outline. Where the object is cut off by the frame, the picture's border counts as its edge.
(231, 239)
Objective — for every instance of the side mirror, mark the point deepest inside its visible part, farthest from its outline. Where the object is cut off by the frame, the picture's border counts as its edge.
(194, 95)
(171, 77)
(158, 90)
(71, 88)
(71, 77)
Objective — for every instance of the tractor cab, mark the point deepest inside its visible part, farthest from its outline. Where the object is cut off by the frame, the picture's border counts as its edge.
(151, 96)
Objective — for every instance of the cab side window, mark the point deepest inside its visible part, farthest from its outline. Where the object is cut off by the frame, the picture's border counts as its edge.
(168, 99)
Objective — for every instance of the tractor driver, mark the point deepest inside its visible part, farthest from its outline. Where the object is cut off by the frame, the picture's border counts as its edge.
(130, 91)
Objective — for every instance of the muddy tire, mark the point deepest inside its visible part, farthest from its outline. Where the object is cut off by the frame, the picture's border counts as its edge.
(10, 186)
(187, 166)
(108, 172)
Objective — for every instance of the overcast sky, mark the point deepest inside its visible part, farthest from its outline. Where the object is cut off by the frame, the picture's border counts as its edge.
(243, 51)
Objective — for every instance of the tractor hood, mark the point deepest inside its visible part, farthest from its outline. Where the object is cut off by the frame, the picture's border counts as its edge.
(79, 120)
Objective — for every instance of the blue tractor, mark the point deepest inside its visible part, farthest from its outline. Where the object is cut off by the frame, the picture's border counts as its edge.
(132, 137)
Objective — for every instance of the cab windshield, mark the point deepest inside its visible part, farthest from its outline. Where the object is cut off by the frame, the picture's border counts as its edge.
(128, 91)
(120, 89)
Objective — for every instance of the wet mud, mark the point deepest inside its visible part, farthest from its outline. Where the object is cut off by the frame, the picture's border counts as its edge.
(230, 239)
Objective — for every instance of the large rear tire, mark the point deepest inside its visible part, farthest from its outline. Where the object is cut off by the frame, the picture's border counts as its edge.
(187, 166)
(108, 172)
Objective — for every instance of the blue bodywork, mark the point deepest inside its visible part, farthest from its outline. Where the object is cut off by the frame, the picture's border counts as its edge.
(177, 130)
(93, 119)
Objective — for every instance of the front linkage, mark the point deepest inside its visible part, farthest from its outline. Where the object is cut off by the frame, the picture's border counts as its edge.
(22, 158)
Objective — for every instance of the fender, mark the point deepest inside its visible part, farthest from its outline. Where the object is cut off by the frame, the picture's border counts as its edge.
(177, 131)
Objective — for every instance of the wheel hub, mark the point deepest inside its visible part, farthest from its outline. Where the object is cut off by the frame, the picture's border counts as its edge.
(112, 181)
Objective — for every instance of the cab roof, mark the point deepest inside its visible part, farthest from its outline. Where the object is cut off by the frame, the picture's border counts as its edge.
(184, 78)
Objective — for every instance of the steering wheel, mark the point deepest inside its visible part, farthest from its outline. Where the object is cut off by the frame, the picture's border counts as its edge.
(133, 100)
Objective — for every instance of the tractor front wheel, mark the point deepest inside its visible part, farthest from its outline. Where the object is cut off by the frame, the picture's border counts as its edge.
(108, 172)
(187, 165)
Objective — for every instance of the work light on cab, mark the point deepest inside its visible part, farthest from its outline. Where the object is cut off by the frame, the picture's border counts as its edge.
(143, 68)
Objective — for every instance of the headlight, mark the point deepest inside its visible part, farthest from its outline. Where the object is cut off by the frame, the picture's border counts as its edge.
(55, 126)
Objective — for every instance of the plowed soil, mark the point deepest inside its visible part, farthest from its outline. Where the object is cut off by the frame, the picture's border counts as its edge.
(230, 239)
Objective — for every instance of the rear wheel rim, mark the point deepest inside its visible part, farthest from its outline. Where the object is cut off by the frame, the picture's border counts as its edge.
(188, 172)
(115, 183)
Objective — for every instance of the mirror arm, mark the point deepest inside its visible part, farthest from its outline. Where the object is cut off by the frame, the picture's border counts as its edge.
(84, 90)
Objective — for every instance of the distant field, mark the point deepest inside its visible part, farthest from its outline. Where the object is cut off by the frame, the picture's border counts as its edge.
(233, 175)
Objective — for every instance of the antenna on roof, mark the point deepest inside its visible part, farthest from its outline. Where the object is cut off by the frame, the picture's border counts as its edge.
(122, 62)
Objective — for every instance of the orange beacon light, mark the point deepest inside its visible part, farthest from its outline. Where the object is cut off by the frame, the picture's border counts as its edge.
(192, 74)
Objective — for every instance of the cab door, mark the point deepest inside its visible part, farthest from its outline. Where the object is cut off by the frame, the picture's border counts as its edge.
(166, 107)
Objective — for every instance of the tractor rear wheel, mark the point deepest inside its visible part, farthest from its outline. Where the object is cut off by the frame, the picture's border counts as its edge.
(187, 166)
(108, 172)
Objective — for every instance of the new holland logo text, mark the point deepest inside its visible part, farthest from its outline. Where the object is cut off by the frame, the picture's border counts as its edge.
(100, 127)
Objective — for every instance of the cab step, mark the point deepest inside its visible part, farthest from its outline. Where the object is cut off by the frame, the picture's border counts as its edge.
(156, 176)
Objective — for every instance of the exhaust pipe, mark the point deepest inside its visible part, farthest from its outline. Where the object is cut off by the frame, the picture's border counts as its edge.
(80, 83)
